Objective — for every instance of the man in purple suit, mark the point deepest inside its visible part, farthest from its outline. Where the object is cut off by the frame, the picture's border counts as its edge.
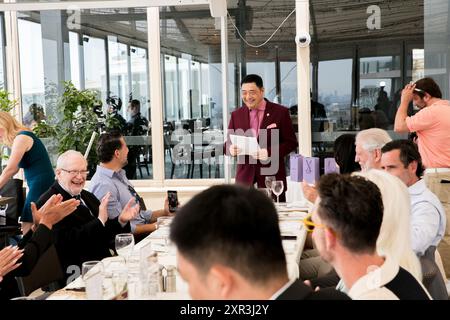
(271, 124)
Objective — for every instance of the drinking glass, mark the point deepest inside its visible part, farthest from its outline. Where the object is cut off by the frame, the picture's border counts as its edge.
(86, 267)
(269, 181)
(277, 188)
(92, 275)
(124, 244)
(164, 225)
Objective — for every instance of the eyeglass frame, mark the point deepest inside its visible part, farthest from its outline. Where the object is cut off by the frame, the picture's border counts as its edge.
(419, 90)
(76, 172)
(310, 225)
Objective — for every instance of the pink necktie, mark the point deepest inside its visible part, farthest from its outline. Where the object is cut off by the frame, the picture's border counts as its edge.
(254, 121)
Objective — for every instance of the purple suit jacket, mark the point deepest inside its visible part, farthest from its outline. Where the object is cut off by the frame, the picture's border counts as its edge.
(276, 117)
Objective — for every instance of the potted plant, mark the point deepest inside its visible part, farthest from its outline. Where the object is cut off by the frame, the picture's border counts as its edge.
(79, 115)
(6, 104)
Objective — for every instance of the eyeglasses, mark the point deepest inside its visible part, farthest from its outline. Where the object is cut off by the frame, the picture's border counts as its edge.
(310, 225)
(419, 90)
(76, 172)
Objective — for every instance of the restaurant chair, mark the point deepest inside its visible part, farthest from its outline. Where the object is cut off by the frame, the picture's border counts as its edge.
(46, 273)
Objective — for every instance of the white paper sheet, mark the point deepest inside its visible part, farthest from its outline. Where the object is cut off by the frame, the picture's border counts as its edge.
(248, 145)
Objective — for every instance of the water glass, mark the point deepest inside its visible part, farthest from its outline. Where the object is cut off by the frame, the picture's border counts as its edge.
(92, 275)
(86, 268)
(119, 279)
(134, 286)
(164, 225)
(124, 244)
(277, 188)
(268, 181)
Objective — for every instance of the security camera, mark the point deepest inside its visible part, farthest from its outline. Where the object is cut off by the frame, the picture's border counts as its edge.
(303, 39)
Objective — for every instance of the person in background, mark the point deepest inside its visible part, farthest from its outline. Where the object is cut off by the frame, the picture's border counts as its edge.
(28, 153)
(262, 119)
(34, 116)
(402, 159)
(347, 226)
(137, 126)
(368, 147)
(109, 177)
(432, 125)
(229, 247)
(345, 153)
(114, 106)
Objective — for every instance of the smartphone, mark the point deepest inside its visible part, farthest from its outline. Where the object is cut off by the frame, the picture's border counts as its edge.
(173, 200)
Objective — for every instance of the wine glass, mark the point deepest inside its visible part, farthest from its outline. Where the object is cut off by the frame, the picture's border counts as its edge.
(268, 181)
(277, 188)
(124, 244)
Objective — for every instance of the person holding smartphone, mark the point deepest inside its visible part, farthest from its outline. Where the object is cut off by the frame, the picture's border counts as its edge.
(112, 151)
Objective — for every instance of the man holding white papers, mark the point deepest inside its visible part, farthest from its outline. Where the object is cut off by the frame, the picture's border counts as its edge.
(267, 123)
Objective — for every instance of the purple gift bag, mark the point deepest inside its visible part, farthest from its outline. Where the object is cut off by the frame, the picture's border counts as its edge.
(296, 167)
(311, 170)
(330, 166)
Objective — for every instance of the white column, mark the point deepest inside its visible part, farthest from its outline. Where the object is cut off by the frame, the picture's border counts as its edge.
(303, 81)
(12, 61)
(156, 102)
(224, 51)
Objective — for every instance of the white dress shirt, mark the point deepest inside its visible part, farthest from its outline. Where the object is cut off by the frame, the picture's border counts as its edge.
(427, 218)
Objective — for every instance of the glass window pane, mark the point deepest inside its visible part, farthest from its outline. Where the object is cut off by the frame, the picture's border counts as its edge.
(171, 97)
(31, 65)
(95, 65)
(103, 51)
(192, 88)
(139, 79)
(75, 58)
(118, 71)
(257, 46)
(2, 53)
(362, 57)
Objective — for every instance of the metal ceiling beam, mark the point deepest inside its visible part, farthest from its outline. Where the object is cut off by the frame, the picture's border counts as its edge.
(72, 5)
(173, 15)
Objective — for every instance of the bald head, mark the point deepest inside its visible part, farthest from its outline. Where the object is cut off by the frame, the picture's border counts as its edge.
(71, 171)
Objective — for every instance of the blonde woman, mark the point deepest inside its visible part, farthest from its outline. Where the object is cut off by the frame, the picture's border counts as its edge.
(395, 232)
(28, 153)
(394, 239)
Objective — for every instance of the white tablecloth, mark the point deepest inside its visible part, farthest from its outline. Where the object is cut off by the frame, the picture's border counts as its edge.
(291, 225)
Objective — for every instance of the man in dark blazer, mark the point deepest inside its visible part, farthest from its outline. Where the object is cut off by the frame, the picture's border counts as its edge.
(229, 248)
(272, 125)
(86, 234)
